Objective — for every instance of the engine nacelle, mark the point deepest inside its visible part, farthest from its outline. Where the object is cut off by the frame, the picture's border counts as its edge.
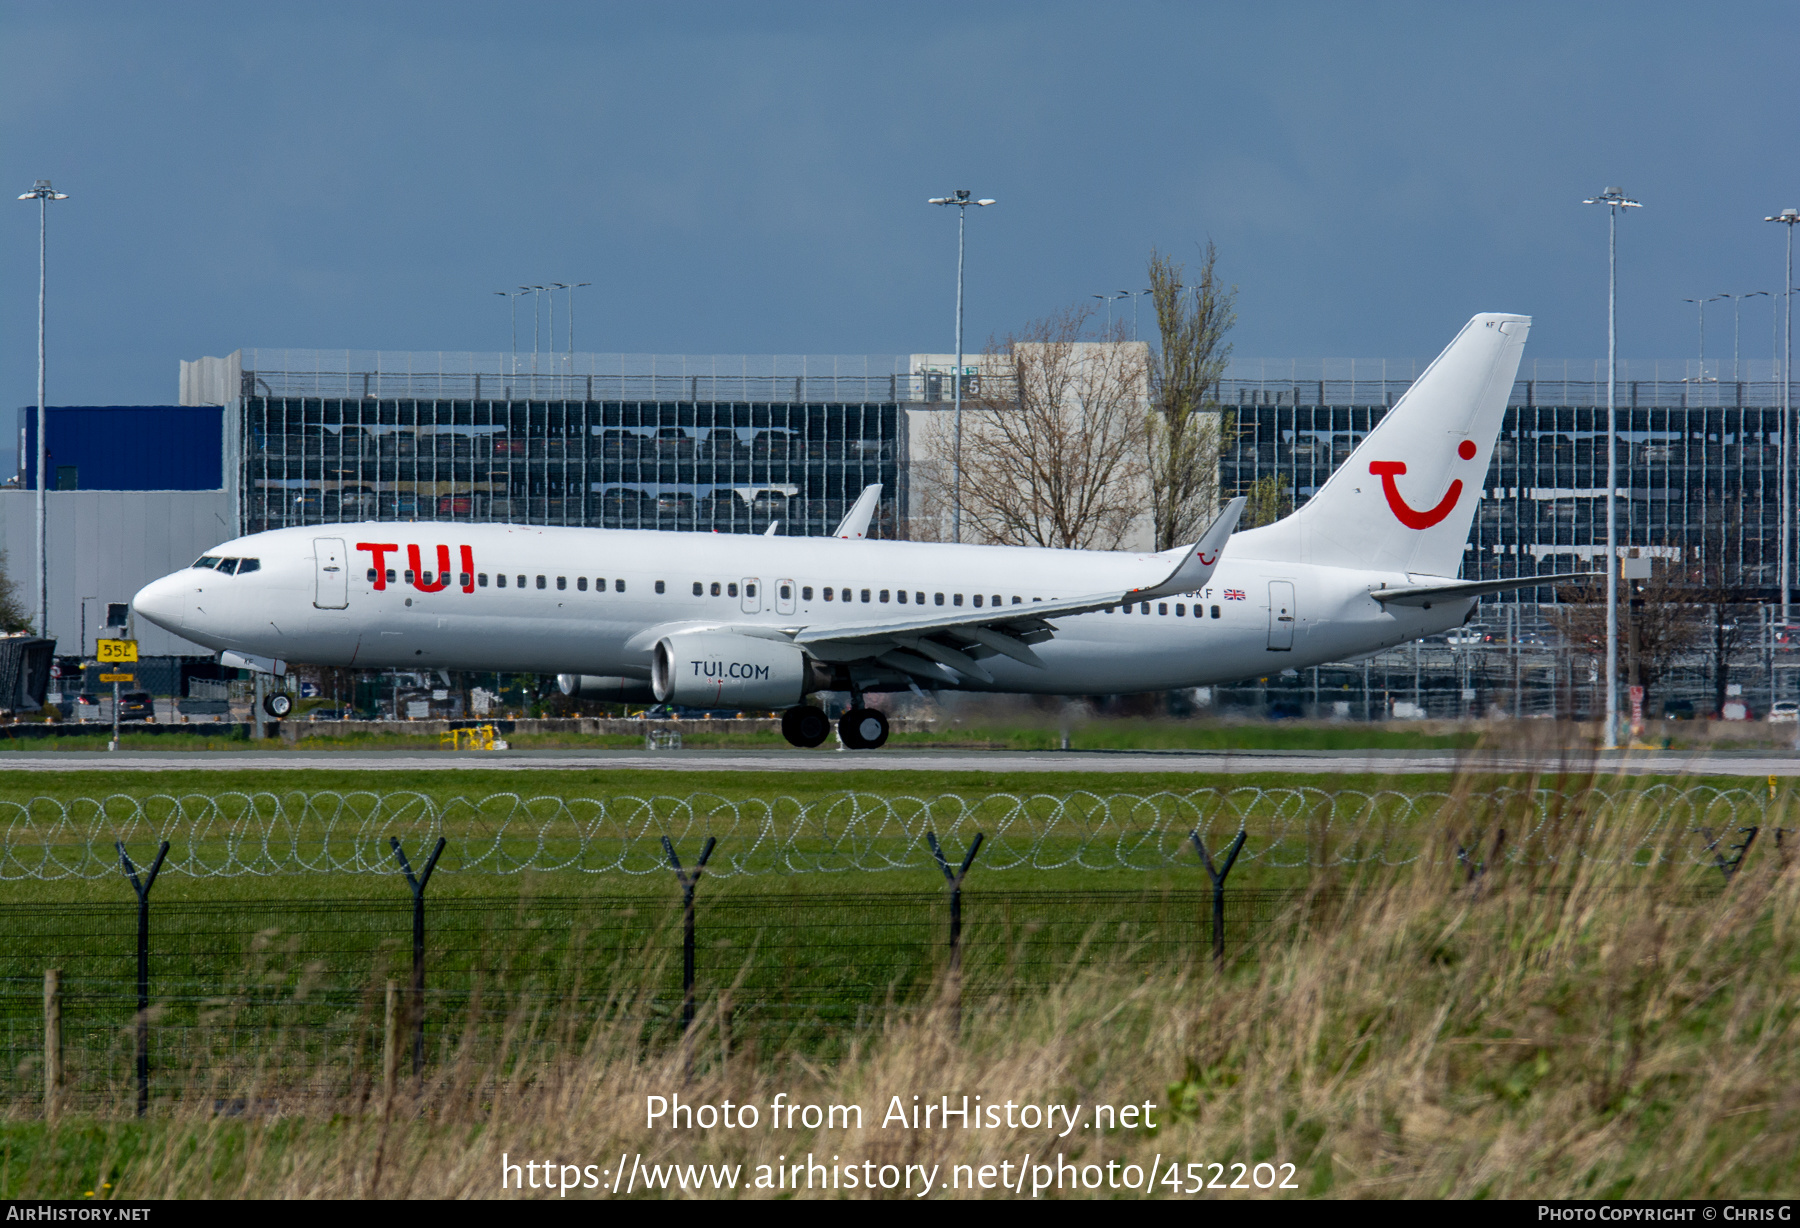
(606, 689)
(719, 669)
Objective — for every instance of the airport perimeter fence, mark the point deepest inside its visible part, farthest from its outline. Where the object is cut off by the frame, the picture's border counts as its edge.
(323, 999)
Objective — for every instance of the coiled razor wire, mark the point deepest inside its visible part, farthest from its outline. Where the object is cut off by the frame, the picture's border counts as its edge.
(233, 834)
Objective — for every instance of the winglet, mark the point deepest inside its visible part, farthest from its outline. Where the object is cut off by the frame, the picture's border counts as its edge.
(855, 524)
(1198, 561)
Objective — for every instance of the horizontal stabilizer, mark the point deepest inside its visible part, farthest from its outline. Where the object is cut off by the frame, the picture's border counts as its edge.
(1425, 594)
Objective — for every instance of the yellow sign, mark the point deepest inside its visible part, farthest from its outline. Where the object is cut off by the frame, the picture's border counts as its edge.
(118, 677)
(115, 650)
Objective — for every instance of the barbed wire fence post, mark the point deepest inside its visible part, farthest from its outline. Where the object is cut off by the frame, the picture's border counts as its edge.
(953, 984)
(688, 880)
(418, 883)
(1218, 877)
(142, 887)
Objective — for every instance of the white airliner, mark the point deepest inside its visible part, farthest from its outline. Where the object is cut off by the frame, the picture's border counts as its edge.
(735, 621)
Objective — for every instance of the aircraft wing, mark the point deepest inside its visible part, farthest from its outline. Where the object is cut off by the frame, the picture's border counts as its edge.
(926, 645)
(1425, 594)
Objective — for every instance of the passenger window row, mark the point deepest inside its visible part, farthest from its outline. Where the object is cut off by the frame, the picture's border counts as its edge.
(1162, 607)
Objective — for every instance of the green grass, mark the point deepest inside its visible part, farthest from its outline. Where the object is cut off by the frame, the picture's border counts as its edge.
(1111, 735)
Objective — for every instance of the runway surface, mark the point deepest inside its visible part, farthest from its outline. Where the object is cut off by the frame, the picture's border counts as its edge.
(1199, 763)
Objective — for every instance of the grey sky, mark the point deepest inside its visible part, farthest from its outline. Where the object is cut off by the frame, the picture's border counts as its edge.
(752, 177)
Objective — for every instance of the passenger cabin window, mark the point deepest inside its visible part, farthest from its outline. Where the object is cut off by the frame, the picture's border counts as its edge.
(828, 594)
(1180, 610)
(500, 581)
(699, 589)
(865, 596)
(978, 601)
(618, 586)
(581, 584)
(463, 578)
(1162, 607)
(372, 576)
(996, 598)
(940, 599)
(562, 583)
(786, 592)
(884, 596)
(481, 579)
(540, 582)
(902, 596)
(921, 598)
(409, 575)
(659, 586)
(806, 592)
(390, 575)
(956, 599)
(730, 589)
(521, 581)
(1215, 611)
(715, 588)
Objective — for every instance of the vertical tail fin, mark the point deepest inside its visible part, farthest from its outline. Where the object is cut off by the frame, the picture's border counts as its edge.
(1404, 499)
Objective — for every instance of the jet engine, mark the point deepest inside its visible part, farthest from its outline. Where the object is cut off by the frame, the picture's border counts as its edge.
(606, 689)
(707, 669)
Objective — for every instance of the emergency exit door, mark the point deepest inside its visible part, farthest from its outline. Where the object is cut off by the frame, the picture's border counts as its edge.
(1281, 616)
(331, 590)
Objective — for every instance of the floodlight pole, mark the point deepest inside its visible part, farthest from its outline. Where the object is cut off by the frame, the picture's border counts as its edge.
(43, 193)
(1788, 217)
(1614, 199)
(571, 289)
(962, 202)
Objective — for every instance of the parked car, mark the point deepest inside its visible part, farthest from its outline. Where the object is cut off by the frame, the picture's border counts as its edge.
(1678, 710)
(137, 706)
(1784, 712)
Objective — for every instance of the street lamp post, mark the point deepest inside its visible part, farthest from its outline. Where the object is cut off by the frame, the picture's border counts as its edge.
(962, 202)
(1700, 304)
(1788, 217)
(43, 193)
(1614, 199)
(1737, 302)
(512, 302)
(571, 289)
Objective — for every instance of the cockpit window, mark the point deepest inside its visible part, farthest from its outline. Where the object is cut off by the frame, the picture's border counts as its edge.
(227, 566)
(246, 565)
(207, 561)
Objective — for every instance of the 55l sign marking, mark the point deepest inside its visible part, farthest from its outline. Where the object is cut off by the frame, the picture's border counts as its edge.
(115, 651)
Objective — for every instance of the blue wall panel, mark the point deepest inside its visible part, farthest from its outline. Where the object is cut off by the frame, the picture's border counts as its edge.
(128, 447)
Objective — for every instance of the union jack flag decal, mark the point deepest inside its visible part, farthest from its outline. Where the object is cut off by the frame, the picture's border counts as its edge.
(1234, 594)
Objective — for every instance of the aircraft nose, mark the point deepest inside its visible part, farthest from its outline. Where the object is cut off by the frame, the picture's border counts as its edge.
(163, 602)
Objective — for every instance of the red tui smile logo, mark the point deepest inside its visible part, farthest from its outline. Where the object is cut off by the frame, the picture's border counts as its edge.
(1404, 512)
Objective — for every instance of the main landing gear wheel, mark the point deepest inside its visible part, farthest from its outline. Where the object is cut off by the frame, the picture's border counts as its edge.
(863, 729)
(805, 725)
(278, 705)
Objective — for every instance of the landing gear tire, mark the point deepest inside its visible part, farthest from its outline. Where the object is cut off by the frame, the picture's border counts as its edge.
(278, 705)
(805, 726)
(863, 729)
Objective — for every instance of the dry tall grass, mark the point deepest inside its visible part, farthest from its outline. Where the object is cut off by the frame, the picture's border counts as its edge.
(1578, 1031)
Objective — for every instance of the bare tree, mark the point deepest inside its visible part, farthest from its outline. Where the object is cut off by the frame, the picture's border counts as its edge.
(1186, 427)
(13, 614)
(1054, 444)
(1659, 619)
